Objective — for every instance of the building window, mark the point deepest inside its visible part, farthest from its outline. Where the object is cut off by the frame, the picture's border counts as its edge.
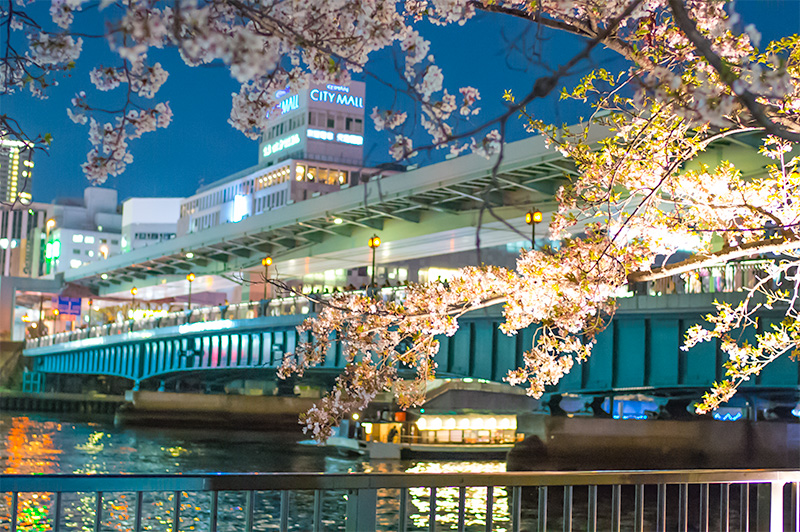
(77, 238)
(89, 240)
(76, 252)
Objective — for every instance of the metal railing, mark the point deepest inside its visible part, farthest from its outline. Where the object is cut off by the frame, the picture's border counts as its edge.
(284, 306)
(732, 277)
(725, 278)
(757, 500)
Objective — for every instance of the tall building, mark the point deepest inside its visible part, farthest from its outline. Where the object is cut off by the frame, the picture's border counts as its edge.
(147, 221)
(18, 242)
(314, 147)
(16, 171)
(79, 230)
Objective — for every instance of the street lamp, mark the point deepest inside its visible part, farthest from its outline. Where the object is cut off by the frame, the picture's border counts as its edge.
(374, 243)
(56, 312)
(190, 278)
(266, 262)
(532, 218)
(134, 291)
(89, 324)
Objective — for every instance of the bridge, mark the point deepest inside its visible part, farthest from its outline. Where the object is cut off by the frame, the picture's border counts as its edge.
(422, 215)
(638, 353)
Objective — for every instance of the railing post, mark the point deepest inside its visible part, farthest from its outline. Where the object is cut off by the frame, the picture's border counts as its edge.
(361, 510)
(769, 508)
(516, 508)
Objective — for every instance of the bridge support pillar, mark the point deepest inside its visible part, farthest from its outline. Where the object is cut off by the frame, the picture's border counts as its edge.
(361, 510)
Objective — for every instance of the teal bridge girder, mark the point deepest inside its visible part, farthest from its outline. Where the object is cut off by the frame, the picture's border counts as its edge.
(638, 353)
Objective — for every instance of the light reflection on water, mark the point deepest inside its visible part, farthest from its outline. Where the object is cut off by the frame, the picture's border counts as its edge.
(41, 443)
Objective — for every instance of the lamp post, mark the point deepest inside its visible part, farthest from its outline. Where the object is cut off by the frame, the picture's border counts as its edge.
(190, 278)
(55, 317)
(374, 243)
(134, 291)
(532, 218)
(266, 262)
(89, 323)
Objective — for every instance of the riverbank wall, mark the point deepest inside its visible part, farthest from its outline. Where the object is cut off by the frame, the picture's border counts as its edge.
(219, 410)
(68, 403)
(564, 443)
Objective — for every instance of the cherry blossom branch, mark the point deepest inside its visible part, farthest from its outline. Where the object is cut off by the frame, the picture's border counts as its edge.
(748, 99)
(774, 245)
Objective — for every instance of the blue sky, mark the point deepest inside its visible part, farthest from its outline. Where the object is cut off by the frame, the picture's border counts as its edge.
(201, 146)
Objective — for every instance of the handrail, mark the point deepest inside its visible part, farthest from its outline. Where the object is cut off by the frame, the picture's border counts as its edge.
(295, 305)
(118, 482)
(367, 493)
(733, 277)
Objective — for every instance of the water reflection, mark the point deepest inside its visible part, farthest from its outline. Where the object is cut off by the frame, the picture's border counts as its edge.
(41, 444)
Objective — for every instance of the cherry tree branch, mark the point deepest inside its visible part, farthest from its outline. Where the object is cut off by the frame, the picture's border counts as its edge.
(773, 245)
(747, 98)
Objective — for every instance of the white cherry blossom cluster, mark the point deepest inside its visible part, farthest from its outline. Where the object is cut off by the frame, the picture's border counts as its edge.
(110, 154)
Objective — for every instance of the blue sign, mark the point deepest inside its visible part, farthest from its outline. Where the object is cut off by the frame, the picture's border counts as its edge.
(69, 305)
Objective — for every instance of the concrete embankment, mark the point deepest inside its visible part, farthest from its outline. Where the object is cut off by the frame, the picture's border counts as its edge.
(563, 443)
(235, 411)
(68, 403)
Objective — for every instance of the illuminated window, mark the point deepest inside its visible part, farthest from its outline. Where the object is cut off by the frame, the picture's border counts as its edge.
(89, 240)
(75, 263)
(300, 172)
(323, 176)
(77, 238)
(312, 173)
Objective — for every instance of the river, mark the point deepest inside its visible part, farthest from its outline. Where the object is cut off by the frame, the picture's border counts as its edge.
(51, 443)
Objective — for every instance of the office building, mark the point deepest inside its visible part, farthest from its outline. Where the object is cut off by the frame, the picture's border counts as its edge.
(16, 172)
(18, 242)
(80, 230)
(147, 221)
(313, 148)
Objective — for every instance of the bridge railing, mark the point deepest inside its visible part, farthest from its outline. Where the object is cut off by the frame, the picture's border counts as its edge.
(724, 278)
(284, 306)
(733, 277)
(763, 500)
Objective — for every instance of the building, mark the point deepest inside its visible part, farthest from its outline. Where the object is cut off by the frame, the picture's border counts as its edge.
(79, 231)
(16, 172)
(315, 147)
(18, 245)
(147, 221)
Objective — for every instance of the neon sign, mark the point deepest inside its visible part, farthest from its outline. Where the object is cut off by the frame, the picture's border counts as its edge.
(240, 208)
(289, 104)
(340, 88)
(319, 134)
(348, 138)
(281, 144)
(347, 100)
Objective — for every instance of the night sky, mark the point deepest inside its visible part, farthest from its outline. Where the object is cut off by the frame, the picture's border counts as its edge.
(200, 146)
